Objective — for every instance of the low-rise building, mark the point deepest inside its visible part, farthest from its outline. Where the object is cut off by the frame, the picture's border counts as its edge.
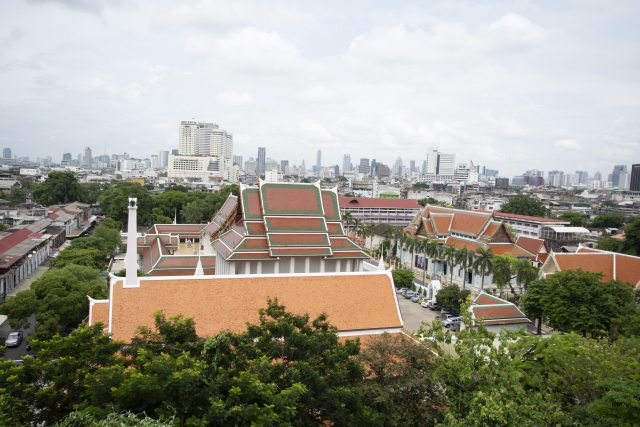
(525, 225)
(379, 210)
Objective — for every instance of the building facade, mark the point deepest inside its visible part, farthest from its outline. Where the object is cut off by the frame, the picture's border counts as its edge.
(189, 138)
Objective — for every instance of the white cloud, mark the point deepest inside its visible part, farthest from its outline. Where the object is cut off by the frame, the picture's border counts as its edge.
(235, 98)
(248, 50)
(507, 127)
(314, 132)
(566, 143)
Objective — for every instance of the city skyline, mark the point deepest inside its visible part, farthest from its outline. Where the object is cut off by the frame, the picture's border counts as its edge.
(508, 84)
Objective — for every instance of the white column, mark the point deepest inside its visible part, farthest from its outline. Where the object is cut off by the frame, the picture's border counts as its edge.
(349, 262)
(259, 267)
(276, 268)
(247, 267)
(307, 264)
(131, 258)
(338, 266)
(322, 265)
(292, 265)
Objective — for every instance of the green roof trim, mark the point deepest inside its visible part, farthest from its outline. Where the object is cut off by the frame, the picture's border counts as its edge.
(251, 204)
(297, 239)
(331, 207)
(295, 224)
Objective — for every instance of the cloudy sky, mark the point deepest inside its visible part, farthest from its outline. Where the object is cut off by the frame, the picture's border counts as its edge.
(508, 84)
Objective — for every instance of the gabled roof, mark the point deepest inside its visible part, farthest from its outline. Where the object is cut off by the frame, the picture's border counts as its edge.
(214, 303)
(625, 268)
(531, 244)
(287, 220)
(496, 311)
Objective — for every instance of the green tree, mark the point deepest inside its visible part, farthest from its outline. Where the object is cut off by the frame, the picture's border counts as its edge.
(525, 272)
(522, 204)
(483, 263)
(115, 202)
(110, 236)
(465, 258)
(576, 219)
(452, 297)
(92, 191)
(503, 271)
(578, 301)
(369, 230)
(44, 389)
(631, 244)
(87, 257)
(112, 224)
(610, 244)
(402, 278)
(607, 221)
(532, 301)
(170, 204)
(448, 254)
(58, 299)
(400, 382)
(83, 419)
(203, 208)
(432, 250)
(59, 188)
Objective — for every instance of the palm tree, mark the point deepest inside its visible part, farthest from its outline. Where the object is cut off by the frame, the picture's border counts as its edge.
(525, 272)
(410, 245)
(432, 251)
(448, 255)
(347, 218)
(357, 228)
(369, 230)
(483, 263)
(388, 234)
(421, 246)
(464, 259)
(399, 235)
(502, 267)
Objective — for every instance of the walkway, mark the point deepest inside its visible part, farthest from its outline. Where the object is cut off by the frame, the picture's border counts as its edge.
(26, 283)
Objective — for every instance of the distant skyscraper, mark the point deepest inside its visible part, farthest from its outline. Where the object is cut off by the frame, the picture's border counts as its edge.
(175, 152)
(412, 166)
(88, 157)
(188, 138)
(303, 168)
(635, 178)
(597, 176)
(336, 171)
(318, 163)
(374, 167)
(446, 164)
(432, 160)
(615, 176)
(364, 167)
(424, 166)
(6, 154)
(346, 163)
(164, 159)
(262, 158)
(65, 157)
(270, 164)
(250, 166)
(237, 160)
(284, 166)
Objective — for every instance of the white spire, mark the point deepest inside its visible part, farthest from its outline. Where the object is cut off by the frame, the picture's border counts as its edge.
(199, 270)
(175, 216)
(381, 262)
(131, 258)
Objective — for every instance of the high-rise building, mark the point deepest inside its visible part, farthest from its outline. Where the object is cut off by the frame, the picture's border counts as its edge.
(155, 161)
(624, 180)
(270, 164)
(412, 166)
(446, 164)
(374, 167)
(597, 176)
(424, 166)
(188, 138)
(318, 163)
(582, 176)
(250, 166)
(432, 160)
(303, 168)
(346, 163)
(88, 157)
(555, 178)
(262, 157)
(6, 153)
(615, 176)
(216, 142)
(336, 171)
(164, 159)
(284, 166)
(364, 167)
(65, 156)
(237, 160)
(635, 178)
(397, 167)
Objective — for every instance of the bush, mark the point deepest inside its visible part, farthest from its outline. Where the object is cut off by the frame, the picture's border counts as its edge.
(402, 278)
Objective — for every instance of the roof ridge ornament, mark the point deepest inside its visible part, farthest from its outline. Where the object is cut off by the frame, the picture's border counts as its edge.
(199, 270)
(381, 266)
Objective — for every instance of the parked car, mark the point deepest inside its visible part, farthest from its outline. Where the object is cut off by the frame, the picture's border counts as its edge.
(411, 294)
(401, 290)
(423, 299)
(416, 298)
(434, 306)
(14, 339)
(451, 321)
(426, 303)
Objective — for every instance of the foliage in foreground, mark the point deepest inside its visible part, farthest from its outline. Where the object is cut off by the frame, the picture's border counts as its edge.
(291, 370)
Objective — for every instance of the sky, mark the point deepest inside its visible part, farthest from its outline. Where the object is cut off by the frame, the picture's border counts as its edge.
(511, 85)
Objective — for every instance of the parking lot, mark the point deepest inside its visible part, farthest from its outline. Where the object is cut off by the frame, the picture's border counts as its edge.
(413, 314)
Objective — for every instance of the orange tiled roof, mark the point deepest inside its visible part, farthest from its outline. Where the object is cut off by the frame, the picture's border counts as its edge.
(214, 304)
(531, 244)
(510, 248)
(99, 312)
(613, 265)
(442, 223)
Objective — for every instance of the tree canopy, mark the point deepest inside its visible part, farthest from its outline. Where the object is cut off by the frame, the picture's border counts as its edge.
(607, 221)
(402, 278)
(202, 209)
(451, 297)
(576, 219)
(522, 204)
(115, 202)
(59, 188)
(58, 299)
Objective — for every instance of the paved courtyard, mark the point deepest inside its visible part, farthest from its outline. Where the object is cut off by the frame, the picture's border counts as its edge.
(413, 314)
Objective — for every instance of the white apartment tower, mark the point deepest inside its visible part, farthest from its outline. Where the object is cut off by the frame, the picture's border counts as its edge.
(88, 157)
(440, 163)
(319, 163)
(216, 142)
(188, 139)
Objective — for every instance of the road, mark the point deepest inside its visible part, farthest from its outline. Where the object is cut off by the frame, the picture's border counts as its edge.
(413, 314)
(15, 353)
